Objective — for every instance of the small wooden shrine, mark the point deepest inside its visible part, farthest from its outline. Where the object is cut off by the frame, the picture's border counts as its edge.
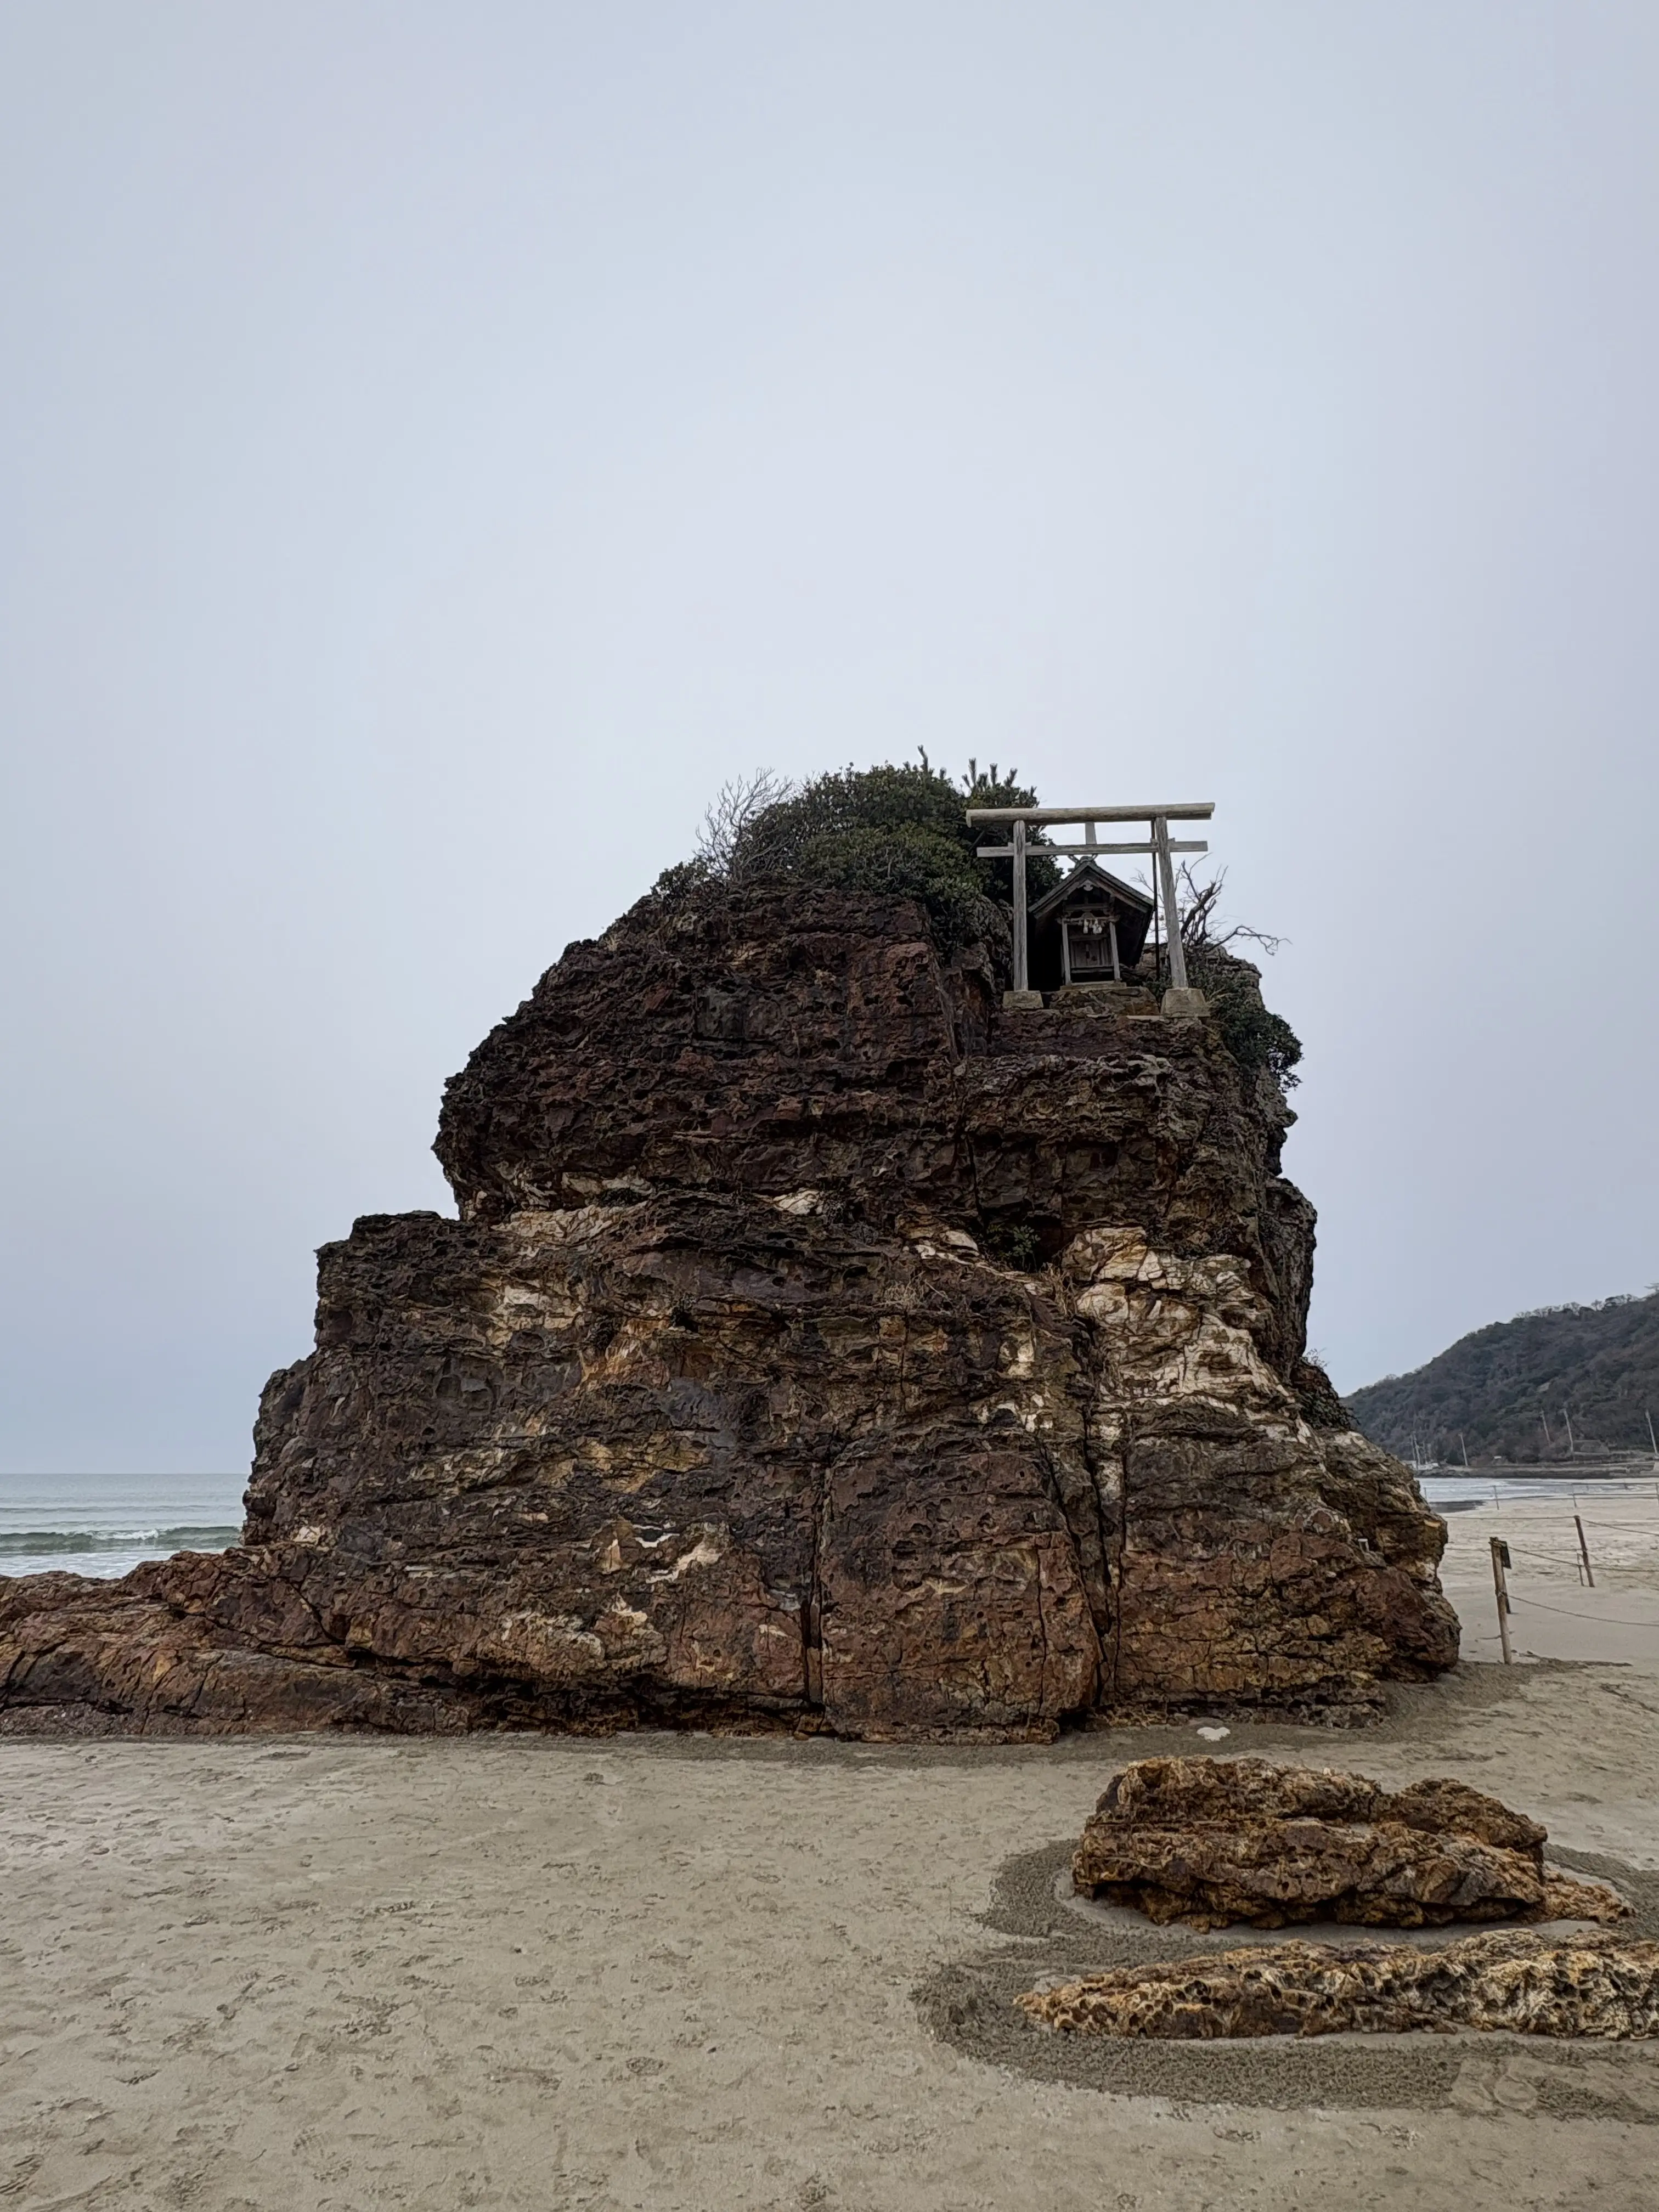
(1091, 928)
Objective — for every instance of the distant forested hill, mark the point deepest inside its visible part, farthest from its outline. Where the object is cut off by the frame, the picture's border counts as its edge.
(1596, 1365)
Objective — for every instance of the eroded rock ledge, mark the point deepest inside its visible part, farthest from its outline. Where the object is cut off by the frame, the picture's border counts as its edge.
(718, 1405)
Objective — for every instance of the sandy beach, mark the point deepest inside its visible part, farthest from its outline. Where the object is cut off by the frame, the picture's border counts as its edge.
(1554, 1612)
(658, 1972)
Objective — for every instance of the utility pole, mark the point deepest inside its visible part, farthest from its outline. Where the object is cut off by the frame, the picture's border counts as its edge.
(1652, 1439)
(1463, 1447)
(1567, 1417)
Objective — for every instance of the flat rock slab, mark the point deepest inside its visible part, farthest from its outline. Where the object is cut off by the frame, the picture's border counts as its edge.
(1593, 1985)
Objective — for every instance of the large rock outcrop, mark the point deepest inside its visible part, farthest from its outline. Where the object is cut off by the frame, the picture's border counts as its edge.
(817, 1345)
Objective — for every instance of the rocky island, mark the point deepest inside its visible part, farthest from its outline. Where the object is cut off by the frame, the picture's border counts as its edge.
(818, 1344)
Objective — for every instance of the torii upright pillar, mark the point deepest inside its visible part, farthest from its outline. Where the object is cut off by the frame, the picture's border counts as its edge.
(1021, 932)
(1171, 912)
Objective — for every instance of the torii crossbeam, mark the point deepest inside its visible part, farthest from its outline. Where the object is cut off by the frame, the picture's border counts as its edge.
(1159, 845)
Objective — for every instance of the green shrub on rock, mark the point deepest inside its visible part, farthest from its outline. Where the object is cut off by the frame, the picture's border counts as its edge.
(1255, 1036)
(898, 830)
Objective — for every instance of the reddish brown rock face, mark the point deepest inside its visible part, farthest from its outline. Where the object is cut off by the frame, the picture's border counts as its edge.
(716, 1404)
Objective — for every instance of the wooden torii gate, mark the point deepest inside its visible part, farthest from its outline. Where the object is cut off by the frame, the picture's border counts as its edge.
(1159, 845)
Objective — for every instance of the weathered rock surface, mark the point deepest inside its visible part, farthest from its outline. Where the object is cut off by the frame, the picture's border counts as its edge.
(717, 1405)
(1592, 1985)
(1212, 1841)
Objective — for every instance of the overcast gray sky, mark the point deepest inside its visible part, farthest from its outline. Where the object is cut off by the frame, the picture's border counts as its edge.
(442, 443)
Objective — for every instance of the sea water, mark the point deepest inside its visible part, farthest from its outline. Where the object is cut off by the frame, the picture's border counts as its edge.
(105, 1524)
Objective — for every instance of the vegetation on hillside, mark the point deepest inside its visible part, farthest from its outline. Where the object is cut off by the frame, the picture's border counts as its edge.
(1513, 1392)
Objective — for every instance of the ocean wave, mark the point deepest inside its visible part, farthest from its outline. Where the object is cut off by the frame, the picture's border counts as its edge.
(44, 1543)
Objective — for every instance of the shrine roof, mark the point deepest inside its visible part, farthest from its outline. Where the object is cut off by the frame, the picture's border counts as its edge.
(1088, 875)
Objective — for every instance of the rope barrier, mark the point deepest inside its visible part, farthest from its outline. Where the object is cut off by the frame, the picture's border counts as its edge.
(1604, 1619)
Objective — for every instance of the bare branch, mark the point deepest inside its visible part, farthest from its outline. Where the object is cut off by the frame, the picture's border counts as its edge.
(1198, 917)
(739, 803)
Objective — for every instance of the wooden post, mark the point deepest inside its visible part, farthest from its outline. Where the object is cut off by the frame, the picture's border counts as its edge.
(1171, 912)
(1020, 981)
(1065, 951)
(1117, 977)
(1571, 1447)
(1584, 1549)
(1499, 1549)
(1652, 1439)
